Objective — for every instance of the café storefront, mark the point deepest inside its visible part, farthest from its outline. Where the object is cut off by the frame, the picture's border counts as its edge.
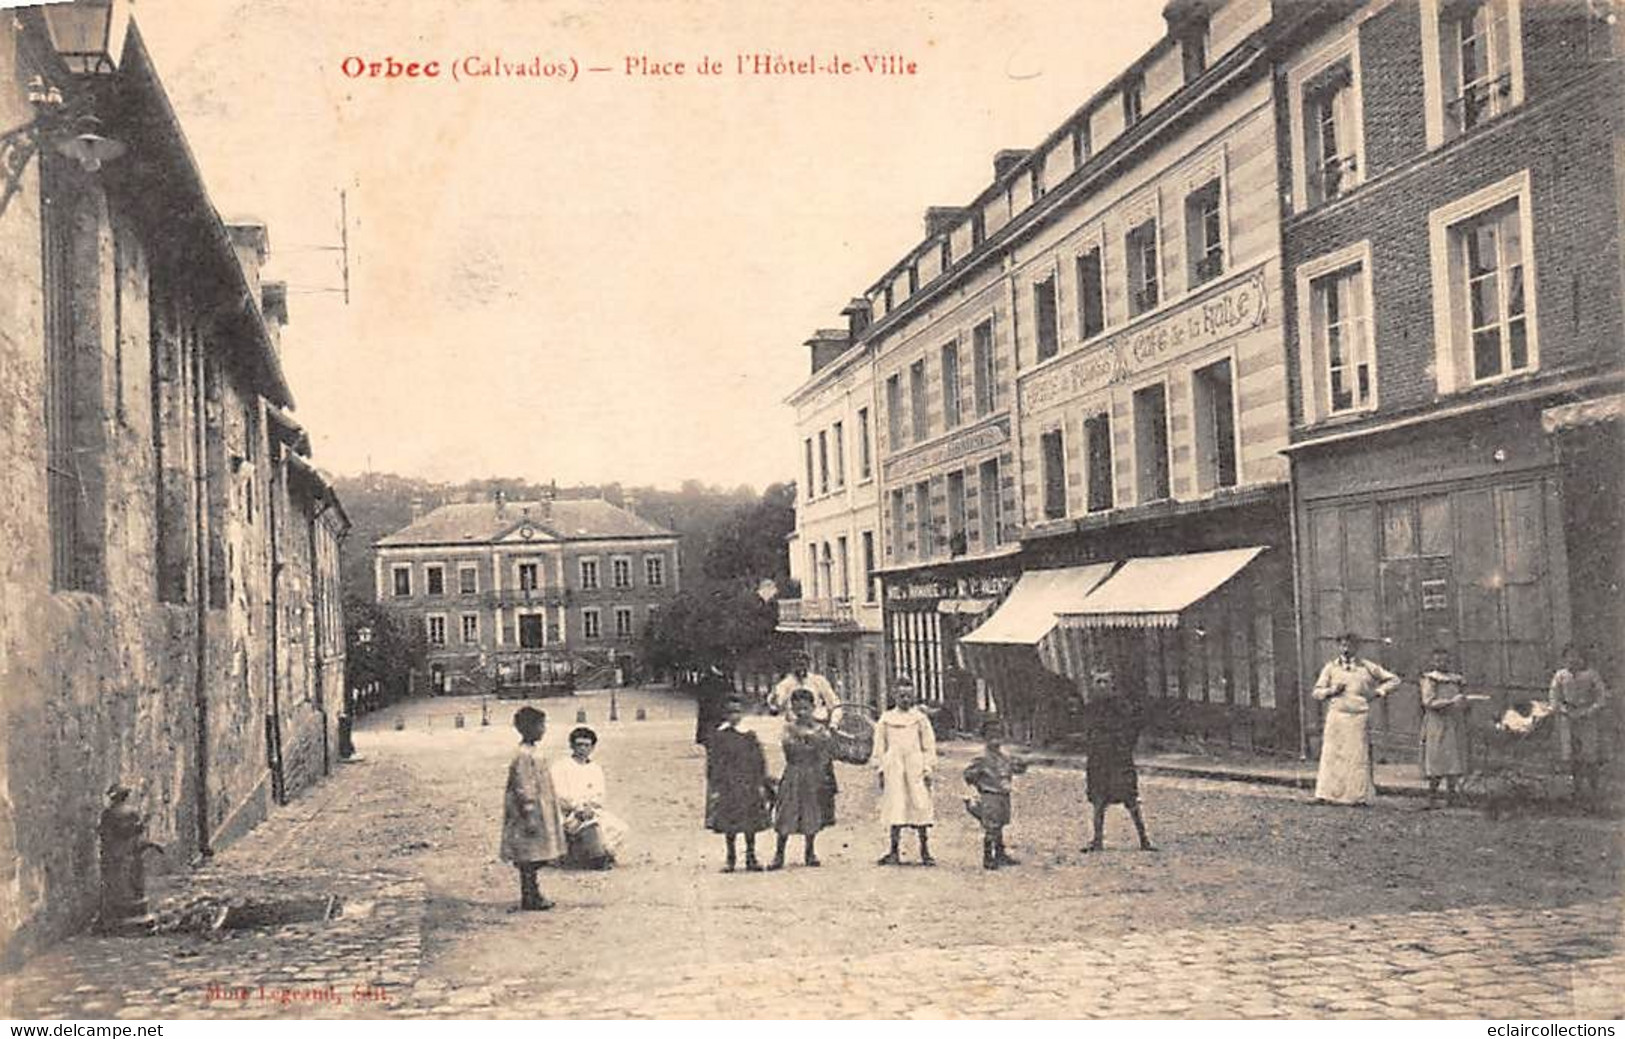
(927, 610)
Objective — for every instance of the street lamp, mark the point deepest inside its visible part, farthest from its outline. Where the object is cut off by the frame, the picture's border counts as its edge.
(88, 34)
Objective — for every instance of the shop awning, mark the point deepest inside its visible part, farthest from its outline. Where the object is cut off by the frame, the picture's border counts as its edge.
(965, 606)
(1151, 592)
(1029, 611)
(1583, 413)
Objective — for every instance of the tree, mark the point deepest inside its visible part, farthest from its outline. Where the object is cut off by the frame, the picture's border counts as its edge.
(750, 545)
(381, 648)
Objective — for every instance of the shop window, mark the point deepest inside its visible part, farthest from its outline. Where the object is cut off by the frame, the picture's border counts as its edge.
(1151, 443)
(1213, 394)
(1052, 450)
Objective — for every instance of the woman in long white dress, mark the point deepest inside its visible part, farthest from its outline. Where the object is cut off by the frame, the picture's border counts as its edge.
(595, 835)
(1347, 686)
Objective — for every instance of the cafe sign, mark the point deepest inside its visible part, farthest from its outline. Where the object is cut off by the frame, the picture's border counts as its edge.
(931, 456)
(1240, 307)
(918, 589)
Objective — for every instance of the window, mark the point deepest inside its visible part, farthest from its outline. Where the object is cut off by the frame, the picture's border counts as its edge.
(913, 279)
(532, 630)
(1488, 289)
(916, 401)
(589, 574)
(868, 539)
(823, 462)
(73, 408)
(978, 228)
(945, 256)
(838, 434)
(1052, 459)
(922, 520)
(812, 488)
(951, 414)
(1204, 233)
(956, 513)
(1331, 130)
(435, 626)
(811, 591)
(1044, 318)
(1472, 63)
(623, 622)
(894, 415)
(591, 624)
(1091, 295)
(1342, 333)
(1133, 100)
(468, 580)
(529, 577)
(620, 569)
(1038, 183)
(403, 581)
(1151, 443)
(1141, 246)
(865, 463)
(899, 529)
(982, 370)
(1213, 393)
(989, 510)
(826, 572)
(434, 580)
(843, 567)
(1193, 48)
(654, 571)
(1097, 437)
(471, 628)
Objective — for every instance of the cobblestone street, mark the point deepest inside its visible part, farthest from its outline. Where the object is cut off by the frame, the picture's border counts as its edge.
(1259, 904)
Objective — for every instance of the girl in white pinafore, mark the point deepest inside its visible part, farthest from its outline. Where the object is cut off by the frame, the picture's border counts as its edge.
(905, 754)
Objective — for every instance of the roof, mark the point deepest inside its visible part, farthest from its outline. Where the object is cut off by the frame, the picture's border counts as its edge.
(588, 519)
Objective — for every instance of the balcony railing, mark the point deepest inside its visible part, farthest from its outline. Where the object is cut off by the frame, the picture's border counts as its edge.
(527, 597)
(828, 613)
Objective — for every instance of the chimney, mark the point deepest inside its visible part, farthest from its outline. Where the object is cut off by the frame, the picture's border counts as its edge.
(500, 496)
(629, 501)
(827, 344)
(274, 305)
(939, 220)
(857, 314)
(252, 243)
(1008, 159)
(417, 509)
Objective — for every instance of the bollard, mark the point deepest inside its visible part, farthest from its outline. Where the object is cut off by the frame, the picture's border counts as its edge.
(346, 737)
(400, 724)
(581, 715)
(485, 712)
(459, 720)
(641, 715)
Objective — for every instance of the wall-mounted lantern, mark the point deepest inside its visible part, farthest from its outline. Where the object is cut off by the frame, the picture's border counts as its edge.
(88, 34)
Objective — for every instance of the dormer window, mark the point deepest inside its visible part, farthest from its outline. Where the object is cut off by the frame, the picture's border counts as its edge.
(1133, 100)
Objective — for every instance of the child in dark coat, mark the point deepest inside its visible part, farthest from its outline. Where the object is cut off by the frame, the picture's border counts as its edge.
(736, 786)
(991, 775)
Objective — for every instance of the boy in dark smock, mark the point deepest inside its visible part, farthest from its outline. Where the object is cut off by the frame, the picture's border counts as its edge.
(736, 786)
(1113, 722)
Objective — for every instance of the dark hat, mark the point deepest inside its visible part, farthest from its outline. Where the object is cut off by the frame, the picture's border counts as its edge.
(582, 732)
(528, 715)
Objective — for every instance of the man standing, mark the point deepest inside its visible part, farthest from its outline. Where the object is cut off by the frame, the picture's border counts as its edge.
(905, 754)
(800, 677)
(1578, 696)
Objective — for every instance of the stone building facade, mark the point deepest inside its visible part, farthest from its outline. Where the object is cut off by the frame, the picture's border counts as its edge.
(526, 593)
(1453, 262)
(139, 361)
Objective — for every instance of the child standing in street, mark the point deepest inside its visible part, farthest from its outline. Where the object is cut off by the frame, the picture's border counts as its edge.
(990, 775)
(531, 831)
(1444, 728)
(736, 786)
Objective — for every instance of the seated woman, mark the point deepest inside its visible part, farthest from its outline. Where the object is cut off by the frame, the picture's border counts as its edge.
(594, 835)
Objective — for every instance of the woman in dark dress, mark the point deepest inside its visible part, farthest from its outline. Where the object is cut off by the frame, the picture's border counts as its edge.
(710, 699)
(736, 787)
(804, 804)
(1112, 722)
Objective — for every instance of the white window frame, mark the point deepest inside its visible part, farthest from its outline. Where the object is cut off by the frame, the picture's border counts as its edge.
(429, 620)
(468, 568)
(1453, 346)
(1433, 85)
(394, 585)
(1168, 436)
(1299, 77)
(581, 573)
(518, 569)
(1208, 361)
(462, 628)
(592, 623)
(631, 624)
(651, 578)
(631, 578)
(1314, 377)
(1155, 217)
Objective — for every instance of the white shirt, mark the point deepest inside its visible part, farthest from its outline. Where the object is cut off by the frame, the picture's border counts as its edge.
(578, 784)
(824, 698)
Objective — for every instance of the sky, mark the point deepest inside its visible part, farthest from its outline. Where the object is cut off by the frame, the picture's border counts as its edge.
(608, 278)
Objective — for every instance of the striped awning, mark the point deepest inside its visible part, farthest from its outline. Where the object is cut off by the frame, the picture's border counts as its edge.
(1028, 613)
(1583, 413)
(1152, 592)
